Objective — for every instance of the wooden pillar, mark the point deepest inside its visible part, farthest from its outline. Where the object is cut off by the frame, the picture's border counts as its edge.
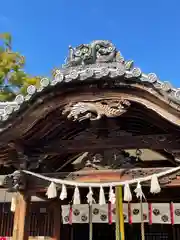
(21, 218)
(119, 214)
(57, 220)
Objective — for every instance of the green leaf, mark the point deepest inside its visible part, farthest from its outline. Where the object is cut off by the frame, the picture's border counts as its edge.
(11, 69)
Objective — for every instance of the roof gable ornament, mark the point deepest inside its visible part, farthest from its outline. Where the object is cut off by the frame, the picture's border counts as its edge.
(97, 59)
(99, 51)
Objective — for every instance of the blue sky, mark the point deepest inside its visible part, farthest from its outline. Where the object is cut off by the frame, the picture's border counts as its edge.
(146, 31)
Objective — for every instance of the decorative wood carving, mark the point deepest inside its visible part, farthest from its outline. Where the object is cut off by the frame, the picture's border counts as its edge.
(109, 159)
(20, 159)
(137, 173)
(15, 181)
(96, 110)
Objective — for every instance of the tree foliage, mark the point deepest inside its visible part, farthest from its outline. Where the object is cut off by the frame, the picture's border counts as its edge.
(13, 79)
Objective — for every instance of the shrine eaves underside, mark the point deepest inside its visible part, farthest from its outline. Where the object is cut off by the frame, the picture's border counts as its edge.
(96, 103)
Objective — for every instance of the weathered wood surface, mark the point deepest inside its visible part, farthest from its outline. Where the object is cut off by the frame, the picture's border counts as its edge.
(126, 142)
(21, 218)
(57, 219)
(40, 109)
(44, 120)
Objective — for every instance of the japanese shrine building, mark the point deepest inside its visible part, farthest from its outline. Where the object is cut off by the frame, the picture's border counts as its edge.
(100, 119)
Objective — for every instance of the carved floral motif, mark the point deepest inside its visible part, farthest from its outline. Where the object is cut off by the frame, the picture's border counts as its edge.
(108, 159)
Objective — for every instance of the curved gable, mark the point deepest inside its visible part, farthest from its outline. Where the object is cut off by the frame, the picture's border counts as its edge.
(95, 63)
(96, 81)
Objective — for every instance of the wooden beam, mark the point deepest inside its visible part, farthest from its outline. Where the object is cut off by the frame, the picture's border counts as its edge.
(155, 142)
(21, 218)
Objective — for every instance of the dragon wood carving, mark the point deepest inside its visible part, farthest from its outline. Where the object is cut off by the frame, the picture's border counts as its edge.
(96, 110)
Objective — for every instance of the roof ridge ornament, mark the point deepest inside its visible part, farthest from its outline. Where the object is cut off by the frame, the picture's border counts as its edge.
(99, 51)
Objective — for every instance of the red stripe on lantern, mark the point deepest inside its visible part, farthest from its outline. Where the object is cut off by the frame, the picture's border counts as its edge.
(129, 213)
(172, 213)
(150, 213)
(70, 215)
(110, 213)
